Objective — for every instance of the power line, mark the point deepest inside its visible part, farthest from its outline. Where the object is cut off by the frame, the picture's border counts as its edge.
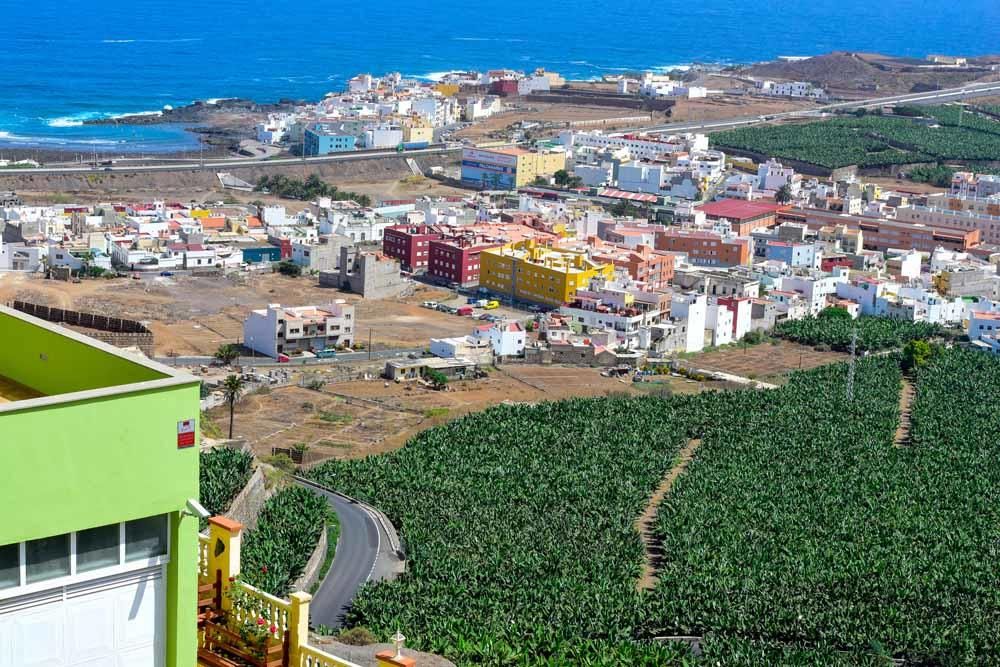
(851, 365)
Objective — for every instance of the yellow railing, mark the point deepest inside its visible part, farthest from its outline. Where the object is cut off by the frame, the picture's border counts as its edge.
(313, 657)
(291, 617)
(272, 608)
(203, 542)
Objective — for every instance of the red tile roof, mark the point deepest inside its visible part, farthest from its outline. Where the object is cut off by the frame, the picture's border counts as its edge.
(738, 209)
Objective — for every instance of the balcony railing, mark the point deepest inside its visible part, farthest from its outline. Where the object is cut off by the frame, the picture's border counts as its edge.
(218, 566)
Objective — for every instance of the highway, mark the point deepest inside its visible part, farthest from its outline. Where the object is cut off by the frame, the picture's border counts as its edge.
(233, 163)
(929, 97)
(262, 361)
(364, 553)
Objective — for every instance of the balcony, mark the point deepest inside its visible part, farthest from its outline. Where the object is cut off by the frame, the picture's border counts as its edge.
(240, 625)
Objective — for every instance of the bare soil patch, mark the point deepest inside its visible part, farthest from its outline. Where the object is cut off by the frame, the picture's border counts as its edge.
(765, 360)
(646, 523)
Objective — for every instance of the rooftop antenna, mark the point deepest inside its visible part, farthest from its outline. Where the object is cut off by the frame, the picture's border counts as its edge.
(851, 365)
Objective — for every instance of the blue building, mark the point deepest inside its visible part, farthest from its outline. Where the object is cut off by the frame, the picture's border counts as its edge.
(323, 139)
(258, 254)
(793, 254)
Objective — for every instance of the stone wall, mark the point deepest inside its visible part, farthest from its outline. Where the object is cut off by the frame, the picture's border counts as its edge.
(247, 504)
(310, 575)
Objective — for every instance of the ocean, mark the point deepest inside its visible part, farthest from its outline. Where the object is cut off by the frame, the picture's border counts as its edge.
(68, 61)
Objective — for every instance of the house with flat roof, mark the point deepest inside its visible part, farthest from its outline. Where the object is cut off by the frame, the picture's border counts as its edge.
(98, 556)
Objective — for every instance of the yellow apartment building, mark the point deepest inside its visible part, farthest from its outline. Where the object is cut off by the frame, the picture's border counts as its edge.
(539, 274)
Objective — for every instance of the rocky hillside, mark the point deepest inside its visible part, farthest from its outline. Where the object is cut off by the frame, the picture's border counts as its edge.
(855, 75)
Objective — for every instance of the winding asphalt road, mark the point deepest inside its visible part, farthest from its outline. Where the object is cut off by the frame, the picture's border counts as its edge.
(364, 553)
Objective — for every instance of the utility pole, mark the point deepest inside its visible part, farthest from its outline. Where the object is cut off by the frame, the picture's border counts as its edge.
(851, 365)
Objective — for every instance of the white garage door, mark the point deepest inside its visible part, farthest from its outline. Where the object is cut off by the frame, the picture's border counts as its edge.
(112, 622)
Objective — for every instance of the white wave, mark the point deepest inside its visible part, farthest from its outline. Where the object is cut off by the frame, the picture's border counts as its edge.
(179, 40)
(136, 113)
(474, 39)
(681, 67)
(433, 76)
(75, 120)
(580, 62)
(64, 122)
(216, 100)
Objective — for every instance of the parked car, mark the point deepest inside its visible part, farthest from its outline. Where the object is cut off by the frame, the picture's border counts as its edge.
(492, 305)
(464, 311)
(430, 304)
(166, 274)
(533, 308)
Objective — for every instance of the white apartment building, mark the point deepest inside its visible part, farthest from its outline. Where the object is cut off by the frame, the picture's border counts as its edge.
(639, 146)
(719, 322)
(865, 292)
(360, 227)
(477, 108)
(967, 184)
(772, 176)
(791, 89)
(814, 289)
(693, 309)
(382, 136)
(287, 330)
(642, 177)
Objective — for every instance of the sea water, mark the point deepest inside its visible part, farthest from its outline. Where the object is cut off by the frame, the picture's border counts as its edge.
(66, 61)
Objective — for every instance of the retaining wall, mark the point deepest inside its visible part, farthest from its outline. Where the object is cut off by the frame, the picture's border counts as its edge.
(310, 574)
(247, 504)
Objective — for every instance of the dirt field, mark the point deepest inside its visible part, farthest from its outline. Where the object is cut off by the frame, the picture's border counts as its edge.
(764, 361)
(722, 107)
(356, 418)
(193, 316)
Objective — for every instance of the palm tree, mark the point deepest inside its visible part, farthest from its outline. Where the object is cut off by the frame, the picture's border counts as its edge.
(232, 388)
(227, 353)
(784, 194)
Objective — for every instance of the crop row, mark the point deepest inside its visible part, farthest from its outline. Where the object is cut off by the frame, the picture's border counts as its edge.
(874, 333)
(873, 140)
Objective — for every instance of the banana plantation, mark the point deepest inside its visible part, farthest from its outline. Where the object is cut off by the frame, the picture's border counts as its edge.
(798, 534)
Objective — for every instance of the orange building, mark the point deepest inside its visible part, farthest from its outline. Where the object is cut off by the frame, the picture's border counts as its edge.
(745, 216)
(881, 234)
(643, 264)
(705, 248)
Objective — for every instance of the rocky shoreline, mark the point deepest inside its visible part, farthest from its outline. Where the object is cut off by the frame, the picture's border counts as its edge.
(200, 112)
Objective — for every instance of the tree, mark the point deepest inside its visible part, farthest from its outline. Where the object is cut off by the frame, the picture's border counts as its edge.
(437, 379)
(834, 313)
(289, 268)
(561, 177)
(784, 194)
(227, 353)
(232, 389)
(916, 353)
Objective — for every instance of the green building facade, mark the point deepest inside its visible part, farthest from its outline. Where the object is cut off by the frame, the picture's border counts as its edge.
(98, 557)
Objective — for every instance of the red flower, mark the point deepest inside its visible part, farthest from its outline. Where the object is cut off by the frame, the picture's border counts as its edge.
(273, 628)
(232, 579)
(261, 621)
(264, 569)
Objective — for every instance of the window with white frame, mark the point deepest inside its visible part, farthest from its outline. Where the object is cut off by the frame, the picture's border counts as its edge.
(37, 564)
